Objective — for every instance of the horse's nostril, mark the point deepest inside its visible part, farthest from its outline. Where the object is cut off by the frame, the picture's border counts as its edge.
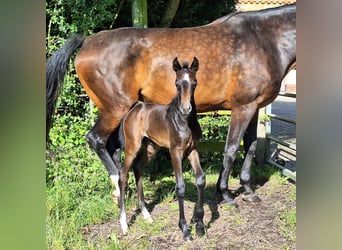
(186, 108)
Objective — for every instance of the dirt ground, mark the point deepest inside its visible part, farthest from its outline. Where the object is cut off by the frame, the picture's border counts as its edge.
(259, 225)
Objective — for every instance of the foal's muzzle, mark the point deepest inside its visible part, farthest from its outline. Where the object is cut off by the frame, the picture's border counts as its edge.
(186, 108)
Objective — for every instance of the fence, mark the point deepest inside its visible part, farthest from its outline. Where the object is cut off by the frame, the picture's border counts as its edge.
(279, 134)
(278, 149)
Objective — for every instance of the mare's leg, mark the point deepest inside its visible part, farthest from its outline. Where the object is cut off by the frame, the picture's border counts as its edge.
(250, 144)
(146, 154)
(240, 119)
(113, 147)
(97, 137)
(176, 159)
(251, 132)
(200, 183)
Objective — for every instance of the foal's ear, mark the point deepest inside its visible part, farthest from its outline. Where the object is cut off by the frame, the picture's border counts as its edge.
(176, 66)
(194, 65)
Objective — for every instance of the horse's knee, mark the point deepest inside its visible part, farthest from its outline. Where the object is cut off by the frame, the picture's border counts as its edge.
(90, 138)
(229, 155)
(94, 141)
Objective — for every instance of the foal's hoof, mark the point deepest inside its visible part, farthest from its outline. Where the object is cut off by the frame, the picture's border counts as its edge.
(225, 199)
(200, 230)
(231, 203)
(250, 197)
(187, 236)
(149, 219)
(124, 232)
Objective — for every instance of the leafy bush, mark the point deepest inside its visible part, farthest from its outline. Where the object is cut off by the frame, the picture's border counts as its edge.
(72, 160)
(214, 126)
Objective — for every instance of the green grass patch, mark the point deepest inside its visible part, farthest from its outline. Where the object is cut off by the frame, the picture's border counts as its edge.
(288, 222)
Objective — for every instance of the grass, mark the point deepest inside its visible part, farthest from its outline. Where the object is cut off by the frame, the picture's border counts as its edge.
(68, 213)
(70, 209)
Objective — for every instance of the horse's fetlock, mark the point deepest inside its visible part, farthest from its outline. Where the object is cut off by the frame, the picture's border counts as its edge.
(245, 178)
(180, 191)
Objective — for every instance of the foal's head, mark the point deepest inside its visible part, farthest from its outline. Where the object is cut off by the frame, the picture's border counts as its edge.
(186, 83)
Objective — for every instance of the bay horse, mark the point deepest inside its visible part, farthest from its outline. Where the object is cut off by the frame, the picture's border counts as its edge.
(246, 56)
(147, 127)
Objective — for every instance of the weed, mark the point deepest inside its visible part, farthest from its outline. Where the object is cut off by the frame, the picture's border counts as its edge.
(288, 224)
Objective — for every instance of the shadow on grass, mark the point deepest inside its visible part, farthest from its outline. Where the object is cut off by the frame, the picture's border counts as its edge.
(160, 173)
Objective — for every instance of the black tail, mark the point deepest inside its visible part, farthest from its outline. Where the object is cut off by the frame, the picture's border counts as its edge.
(56, 67)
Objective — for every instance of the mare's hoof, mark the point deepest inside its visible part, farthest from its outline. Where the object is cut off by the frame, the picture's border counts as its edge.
(250, 197)
(225, 199)
(229, 202)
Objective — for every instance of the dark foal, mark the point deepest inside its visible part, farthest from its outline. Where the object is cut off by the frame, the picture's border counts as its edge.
(147, 127)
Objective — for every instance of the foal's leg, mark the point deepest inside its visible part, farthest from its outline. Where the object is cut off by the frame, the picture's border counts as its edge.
(176, 158)
(240, 119)
(250, 144)
(131, 150)
(147, 152)
(200, 183)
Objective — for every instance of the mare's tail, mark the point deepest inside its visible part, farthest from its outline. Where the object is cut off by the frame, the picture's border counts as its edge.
(56, 67)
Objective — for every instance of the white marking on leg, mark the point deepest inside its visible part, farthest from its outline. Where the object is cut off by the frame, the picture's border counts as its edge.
(147, 215)
(115, 183)
(123, 223)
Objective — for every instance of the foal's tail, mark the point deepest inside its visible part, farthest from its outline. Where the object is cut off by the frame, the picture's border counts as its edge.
(56, 67)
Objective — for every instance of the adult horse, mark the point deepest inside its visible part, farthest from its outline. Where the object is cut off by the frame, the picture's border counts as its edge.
(244, 58)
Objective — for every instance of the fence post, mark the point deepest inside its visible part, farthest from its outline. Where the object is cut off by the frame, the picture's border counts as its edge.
(261, 141)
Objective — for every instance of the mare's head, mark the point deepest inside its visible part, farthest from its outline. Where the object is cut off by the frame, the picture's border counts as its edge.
(185, 83)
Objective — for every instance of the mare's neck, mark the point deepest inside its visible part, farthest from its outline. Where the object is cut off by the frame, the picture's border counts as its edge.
(281, 24)
(278, 27)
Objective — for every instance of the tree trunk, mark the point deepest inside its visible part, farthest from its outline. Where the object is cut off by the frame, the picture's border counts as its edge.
(139, 13)
(170, 13)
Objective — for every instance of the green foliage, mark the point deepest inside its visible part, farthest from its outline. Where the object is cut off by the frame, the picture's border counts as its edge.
(79, 16)
(214, 127)
(288, 221)
(190, 12)
(194, 13)
(264, 118)
(70, 158)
